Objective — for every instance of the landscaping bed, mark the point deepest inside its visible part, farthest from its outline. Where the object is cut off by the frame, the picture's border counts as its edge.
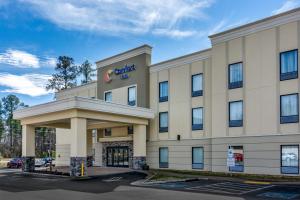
(165, 175)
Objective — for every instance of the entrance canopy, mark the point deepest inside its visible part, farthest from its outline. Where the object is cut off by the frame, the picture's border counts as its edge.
(80, 114)
(99, 114)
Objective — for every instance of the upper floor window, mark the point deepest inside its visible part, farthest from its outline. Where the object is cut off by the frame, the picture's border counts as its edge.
(107, 132)
(132, 96)
(197, 86)
(163, 122)
(108, 96)
(197, 118)
(163, 91)
(289, 108)
(235, 75)
(289, 65)
(235, 113)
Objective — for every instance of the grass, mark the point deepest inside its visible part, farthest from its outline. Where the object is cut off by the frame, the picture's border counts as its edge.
(186, 174)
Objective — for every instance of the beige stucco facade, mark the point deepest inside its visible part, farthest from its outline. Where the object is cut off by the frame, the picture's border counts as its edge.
(260, 138)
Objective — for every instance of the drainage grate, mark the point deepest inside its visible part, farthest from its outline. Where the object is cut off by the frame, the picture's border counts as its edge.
(230, 188)
(280, 195)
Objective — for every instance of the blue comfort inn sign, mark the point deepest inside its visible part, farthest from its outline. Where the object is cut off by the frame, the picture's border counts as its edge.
(123, 71)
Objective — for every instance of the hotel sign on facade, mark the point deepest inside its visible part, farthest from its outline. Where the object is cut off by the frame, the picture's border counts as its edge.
(121, 72)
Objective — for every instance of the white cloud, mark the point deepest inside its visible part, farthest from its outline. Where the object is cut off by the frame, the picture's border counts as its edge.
(121, 16)
(28, 84)
(23, 59)
(288, 5)
(49, 62)
(20, 59)
(174, 33)
(226, 24)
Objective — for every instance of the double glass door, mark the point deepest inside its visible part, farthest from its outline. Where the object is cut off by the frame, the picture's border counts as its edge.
(117, 157)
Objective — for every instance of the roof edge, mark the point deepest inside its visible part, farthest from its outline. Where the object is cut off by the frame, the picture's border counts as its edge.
(258, 25)
(125, 55)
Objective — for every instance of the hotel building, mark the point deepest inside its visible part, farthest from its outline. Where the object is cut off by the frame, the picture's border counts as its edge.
(231, 108)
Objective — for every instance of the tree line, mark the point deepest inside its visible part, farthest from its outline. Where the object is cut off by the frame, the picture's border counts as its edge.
(65, 76)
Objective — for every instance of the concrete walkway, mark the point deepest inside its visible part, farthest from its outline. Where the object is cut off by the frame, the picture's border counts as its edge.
(97, 171)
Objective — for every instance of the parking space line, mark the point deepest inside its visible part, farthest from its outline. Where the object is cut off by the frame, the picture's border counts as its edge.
(230, 188)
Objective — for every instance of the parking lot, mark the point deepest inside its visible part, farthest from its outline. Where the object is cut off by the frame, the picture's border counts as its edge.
(243, 189)
(15, 185)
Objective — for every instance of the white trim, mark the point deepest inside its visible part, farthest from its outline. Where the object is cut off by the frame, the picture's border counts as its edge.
(183, 60)
(125, 55)
(260, 25)
(84, 104)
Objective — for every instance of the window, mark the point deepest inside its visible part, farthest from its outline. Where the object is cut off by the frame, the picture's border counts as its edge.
(197, 86)
(197, 119)
(163, 122)
(130, 129)
(197, 158)
(132, 96)
(235, 158)
(107, 132)
(236, 114)
(290, 159)
(163, 91)
(163, 157)
(235, 75)
(108, 96)
(289, 111)
(288, 65)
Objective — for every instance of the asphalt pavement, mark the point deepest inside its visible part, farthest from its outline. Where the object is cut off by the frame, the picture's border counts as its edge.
(16, 186)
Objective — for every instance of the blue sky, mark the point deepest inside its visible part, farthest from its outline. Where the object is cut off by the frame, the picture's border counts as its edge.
(33, 33)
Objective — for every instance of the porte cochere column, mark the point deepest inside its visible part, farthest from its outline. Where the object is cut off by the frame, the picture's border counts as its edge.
(139, 146)
(78, 147)
(28, 148)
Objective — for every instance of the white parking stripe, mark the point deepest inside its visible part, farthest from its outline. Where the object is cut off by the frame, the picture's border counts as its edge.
(230, 188)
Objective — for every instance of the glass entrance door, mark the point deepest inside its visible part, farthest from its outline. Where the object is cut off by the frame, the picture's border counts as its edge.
(117, 157)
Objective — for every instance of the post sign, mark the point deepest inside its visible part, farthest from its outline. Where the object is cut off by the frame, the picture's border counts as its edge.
(122, 72)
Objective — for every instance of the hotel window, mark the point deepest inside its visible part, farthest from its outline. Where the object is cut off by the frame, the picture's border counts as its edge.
(163, 91)
(132, 96)
(108, 96)
(163, 157)
(236, 114)
(197, 119)
(289, 65)
(290, 159)
(197, 85)
(197, 158)
(235, 159)
(235, 75)
(163, 122)
(289, 108)
(130, 129)
(107, 132)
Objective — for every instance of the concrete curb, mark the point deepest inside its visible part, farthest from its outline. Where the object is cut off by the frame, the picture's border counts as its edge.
(149, 182)
(42, 175)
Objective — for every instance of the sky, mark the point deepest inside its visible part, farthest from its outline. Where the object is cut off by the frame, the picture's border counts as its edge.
(33, 33)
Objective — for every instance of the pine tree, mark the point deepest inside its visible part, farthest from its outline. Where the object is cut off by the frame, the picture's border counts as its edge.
(86, 70)
(65, 76)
